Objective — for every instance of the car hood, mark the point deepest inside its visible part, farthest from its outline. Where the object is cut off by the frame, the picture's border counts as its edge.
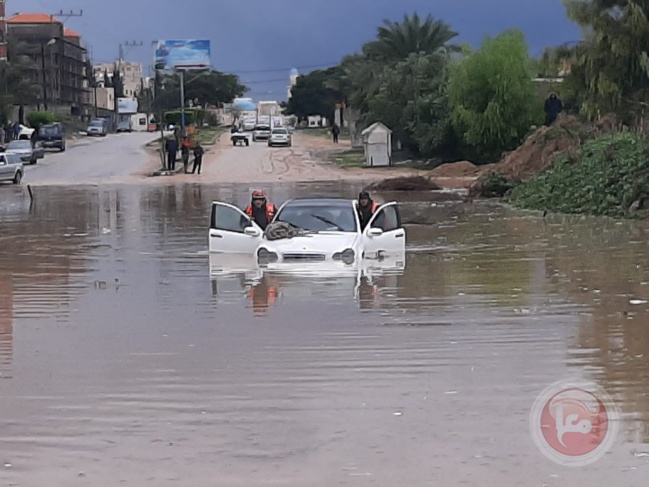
(19, 151)
(316, 242)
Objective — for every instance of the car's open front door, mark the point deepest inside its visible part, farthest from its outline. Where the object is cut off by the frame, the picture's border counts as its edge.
(384, 234)
(232, 231)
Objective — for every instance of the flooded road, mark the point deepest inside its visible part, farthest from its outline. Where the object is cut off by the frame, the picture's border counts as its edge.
(125, 361)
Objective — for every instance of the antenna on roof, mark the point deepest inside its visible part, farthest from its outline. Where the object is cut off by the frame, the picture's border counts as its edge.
(67, 15)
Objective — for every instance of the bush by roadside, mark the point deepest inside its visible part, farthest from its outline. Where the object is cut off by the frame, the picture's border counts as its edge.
(608, 175)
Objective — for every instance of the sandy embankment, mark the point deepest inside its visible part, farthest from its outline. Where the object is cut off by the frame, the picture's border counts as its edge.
(307, 160)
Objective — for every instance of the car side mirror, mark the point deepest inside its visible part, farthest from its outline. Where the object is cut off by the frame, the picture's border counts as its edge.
(375, 232)
(251, 231)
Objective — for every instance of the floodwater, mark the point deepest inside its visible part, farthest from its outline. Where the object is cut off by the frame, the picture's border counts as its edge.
(123, 362)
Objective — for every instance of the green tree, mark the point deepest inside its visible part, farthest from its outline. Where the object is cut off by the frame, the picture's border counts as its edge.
(313, 94)
(493, 97)
(397, 40)
(213, 88)
(612, 64)
(412, 100)
(118, 82)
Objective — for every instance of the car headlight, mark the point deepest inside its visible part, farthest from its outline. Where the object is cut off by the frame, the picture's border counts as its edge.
(264, 256)
(347, 256)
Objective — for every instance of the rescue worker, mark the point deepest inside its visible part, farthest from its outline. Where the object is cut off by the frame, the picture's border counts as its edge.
(366, 208)
(260, 210)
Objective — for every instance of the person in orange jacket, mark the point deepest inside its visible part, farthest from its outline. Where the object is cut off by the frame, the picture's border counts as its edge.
(260, 210)
(366, 208)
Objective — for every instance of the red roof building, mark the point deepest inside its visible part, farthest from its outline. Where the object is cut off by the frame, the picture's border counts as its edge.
(63, 79)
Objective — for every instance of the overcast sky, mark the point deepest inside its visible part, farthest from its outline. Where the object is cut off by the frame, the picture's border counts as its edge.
(262, 39)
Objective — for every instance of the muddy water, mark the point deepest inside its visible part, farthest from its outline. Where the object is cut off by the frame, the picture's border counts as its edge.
(122, 361)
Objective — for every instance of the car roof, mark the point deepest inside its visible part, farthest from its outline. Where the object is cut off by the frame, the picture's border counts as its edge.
(319, 202)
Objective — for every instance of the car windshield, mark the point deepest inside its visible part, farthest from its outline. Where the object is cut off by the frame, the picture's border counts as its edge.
(319, 218)
(49, 130)
(263, 127)
(19, 144)
(280, 131)
(96, 123)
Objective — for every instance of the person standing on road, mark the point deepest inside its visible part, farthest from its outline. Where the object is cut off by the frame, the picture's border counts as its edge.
(335, 131)
(198, 158)
(185, 154)
(172, 150)
(260, 210)
(16, 132)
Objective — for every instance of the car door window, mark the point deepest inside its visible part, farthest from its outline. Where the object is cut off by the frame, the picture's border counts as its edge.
(387, 219)
(228, 219)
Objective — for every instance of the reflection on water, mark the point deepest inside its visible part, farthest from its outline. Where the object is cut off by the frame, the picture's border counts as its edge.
(128, 355)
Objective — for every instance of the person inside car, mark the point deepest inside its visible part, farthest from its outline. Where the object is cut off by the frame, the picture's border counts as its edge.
(260, 210)
(366, 208)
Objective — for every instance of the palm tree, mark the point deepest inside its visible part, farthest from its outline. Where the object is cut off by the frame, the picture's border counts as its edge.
(397, 40)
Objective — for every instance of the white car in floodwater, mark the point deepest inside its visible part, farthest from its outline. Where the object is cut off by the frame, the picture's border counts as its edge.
(329, 235)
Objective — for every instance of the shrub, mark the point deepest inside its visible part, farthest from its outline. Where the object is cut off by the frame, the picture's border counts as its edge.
(605, 176)
(192, 116)
(37, 119)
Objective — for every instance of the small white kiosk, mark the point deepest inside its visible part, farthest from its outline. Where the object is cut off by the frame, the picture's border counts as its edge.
(377, 143)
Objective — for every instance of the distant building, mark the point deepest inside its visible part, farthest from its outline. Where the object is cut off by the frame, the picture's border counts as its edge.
(59, 60)
(3, 32)
(132, 75)
(292, 81)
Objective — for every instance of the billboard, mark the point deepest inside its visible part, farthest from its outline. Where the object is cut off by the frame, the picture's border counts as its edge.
(182, 54)
(127, 105)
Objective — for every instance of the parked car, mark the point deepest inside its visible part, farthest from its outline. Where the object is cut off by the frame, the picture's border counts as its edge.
(97, 127)
(262, 132)
(11, 168)
(280, 136)
(26, 151)
(329, 233)
(52, 135)
(124, 126)
(25, 133)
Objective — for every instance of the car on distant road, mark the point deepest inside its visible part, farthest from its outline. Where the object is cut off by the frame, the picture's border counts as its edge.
(97, 127)
(25, 150)
(262, 132)
(249, 124)
(280, 136)
(11, 168)
(52, 135)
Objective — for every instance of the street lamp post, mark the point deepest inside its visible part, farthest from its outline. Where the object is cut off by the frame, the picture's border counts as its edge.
(51, 42)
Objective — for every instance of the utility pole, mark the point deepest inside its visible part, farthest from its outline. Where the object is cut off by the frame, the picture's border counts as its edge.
(182, 103)
(44, 78)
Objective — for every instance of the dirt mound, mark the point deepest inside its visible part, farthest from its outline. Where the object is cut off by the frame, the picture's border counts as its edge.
(455, 170)
(408, 183)
(538, 151)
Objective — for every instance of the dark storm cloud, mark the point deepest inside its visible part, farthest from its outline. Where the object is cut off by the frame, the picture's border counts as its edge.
(272, 36)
